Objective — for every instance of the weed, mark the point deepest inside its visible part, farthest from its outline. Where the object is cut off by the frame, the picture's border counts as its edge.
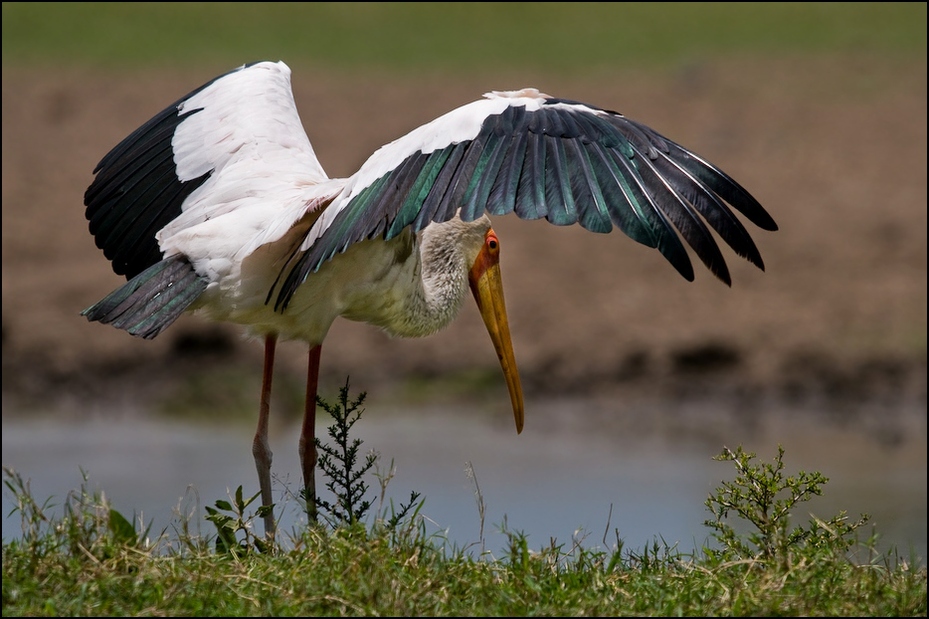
(229, 525)
(338, 464)
(89, 528)
(762, 496)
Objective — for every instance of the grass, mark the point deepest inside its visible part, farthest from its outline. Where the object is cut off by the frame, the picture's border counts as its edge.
(90, 560)
(448, 37)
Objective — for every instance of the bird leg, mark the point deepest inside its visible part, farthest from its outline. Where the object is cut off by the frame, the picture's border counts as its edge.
(260, 448)
(308, 453)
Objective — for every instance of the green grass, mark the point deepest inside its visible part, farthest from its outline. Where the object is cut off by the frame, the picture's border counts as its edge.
(91, 561)
(449, 37)
(350, 560)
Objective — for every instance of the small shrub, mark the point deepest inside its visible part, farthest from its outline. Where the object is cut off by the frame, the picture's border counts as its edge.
(235, 521)
(762, 496)
(338, 464)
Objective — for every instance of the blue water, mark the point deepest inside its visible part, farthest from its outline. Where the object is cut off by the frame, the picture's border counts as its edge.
(557, 480)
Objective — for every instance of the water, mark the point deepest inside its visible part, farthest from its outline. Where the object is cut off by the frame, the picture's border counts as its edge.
(564, 478)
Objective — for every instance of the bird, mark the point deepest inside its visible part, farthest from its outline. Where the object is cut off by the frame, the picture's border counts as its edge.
(218, 205)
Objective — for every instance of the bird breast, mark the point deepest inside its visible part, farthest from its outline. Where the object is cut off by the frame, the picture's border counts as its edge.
(382, 283)
(410, 286)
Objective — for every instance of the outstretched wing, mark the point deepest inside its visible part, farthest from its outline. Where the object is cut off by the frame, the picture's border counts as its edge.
(190, 194)
(539, 157)
(233, 146)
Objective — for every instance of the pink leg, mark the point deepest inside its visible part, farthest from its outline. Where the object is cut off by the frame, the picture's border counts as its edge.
(308, 433)
(260, 448)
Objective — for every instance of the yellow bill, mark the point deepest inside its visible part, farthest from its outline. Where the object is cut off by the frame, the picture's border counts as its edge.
(487, 286)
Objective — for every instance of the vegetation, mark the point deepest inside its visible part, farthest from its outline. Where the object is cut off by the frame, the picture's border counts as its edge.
(91, 560)
(566, 37)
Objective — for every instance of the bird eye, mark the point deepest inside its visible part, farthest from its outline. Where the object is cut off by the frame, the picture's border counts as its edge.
(491, 241)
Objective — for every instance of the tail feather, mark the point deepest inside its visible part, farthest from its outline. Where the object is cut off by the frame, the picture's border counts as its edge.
(152, 300)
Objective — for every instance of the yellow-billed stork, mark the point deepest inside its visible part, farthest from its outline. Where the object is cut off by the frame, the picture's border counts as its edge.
(219, 204)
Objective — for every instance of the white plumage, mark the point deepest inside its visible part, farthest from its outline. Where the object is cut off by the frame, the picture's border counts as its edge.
(220, 204)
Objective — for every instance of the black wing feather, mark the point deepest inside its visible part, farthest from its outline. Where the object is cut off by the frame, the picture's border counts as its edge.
(530, 191)
(136, 191)
(438, 199)
(566, 162)
(713, 210)
(124, 219)
(562, 210)
(685, 219)
(488, 171)
(152, 300)
(644, 205)
(502, 199)
(592, 205)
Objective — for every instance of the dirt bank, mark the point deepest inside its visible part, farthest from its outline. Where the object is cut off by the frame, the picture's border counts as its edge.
(835, 149)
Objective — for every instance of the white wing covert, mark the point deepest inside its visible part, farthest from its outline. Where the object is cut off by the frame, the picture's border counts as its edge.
(198, 188)
(232, 146)
(537, 156)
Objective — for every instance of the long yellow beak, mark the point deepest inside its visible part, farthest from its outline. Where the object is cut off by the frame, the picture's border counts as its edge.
(487, 286)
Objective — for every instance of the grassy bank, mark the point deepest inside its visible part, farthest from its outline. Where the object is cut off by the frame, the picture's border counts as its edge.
(91, 560)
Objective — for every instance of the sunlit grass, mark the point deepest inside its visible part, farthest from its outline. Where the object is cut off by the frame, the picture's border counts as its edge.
(554, 36)
(369, 558)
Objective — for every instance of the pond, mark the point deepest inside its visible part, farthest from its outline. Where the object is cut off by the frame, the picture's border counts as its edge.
(569, 476)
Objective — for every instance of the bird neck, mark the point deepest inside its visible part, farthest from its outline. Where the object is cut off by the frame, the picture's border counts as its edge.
(445, 253)
(444, 283)
(437, 285)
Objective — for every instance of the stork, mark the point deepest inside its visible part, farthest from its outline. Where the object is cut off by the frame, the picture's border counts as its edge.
(219, 205)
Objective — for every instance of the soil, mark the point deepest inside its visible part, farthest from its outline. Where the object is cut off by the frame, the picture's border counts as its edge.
(835, 148)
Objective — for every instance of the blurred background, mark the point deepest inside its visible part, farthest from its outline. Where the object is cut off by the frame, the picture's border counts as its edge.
(634, 377)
